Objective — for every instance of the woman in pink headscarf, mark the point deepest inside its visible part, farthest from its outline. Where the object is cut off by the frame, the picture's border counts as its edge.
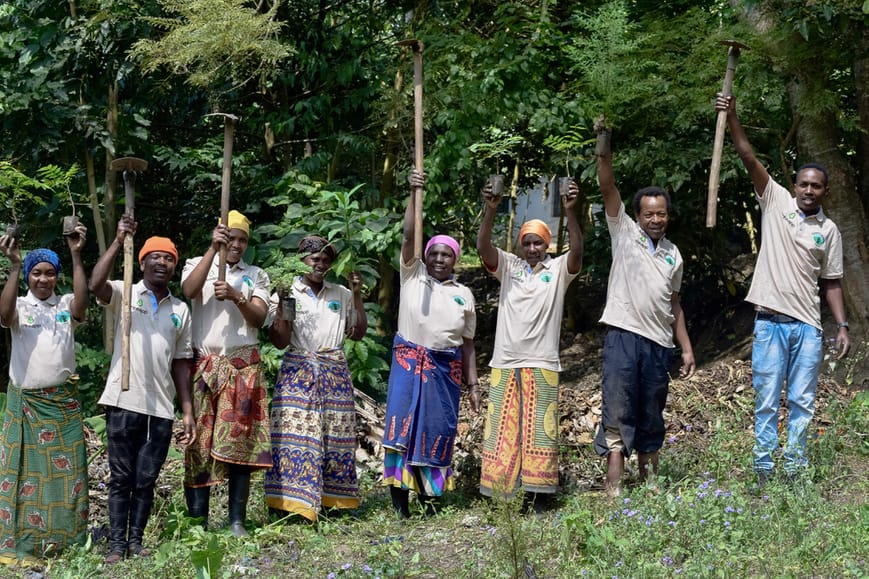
(433, 355)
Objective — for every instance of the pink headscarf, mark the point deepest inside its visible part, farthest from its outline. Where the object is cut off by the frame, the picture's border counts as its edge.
(446, 240)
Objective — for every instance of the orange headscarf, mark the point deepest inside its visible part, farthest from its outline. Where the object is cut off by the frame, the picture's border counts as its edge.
(536, 227)
(158, 244)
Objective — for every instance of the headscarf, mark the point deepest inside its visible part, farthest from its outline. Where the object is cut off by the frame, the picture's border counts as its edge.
(315, 244)
(38, 256)
(236, 220)
(446, 240)
(536, 227)
(158, 244)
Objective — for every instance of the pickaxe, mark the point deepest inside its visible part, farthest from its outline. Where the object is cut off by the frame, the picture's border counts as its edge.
(130, 166)
(720, 125)
(229, 122)
(417, 47)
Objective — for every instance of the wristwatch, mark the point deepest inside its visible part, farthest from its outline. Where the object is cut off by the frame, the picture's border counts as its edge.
(843, 325)
(241, 301)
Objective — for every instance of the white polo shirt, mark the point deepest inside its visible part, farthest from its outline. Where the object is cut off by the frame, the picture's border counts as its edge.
(321, 319)
(159, 333)
(437, 315)
(796, 249)
(219, 326)
(642, 280)
(43, 347)
(530, 310)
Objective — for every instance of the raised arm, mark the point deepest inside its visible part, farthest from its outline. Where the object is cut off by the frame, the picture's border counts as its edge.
(574, 256)
(9, 296)
(612, 199)
(80, 294)
(416, 180)
(488, 252)
(757, 172)
(361, 324)
(99, 282)
(192, 284)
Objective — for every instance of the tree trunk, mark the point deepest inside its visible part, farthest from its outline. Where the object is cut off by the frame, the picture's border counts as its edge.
(861, 83)
(817, 140)
(109, 203)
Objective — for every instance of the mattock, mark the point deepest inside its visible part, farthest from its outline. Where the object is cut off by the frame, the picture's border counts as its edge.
(131, 166)
(229, 122)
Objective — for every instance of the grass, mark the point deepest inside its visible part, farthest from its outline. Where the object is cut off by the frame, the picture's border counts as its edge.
(702, 517)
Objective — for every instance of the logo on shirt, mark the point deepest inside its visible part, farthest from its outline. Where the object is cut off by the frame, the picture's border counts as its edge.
(459, 300)
(247, 281)
(669, 259)
(546, 277)
(819, 239)
(63, 317)
(176, 320)
(335, 306)
(643, 239)
(30, 320)
(140, 303)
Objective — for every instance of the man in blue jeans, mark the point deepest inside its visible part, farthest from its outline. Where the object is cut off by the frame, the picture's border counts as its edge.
(801, 249)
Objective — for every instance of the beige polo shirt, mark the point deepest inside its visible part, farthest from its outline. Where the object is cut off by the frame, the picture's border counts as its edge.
(530, 310)
(795, 250)
(219, 326)
(437, 315)
(642, 280)
(321, 319)
(43, 347)
(159, 333)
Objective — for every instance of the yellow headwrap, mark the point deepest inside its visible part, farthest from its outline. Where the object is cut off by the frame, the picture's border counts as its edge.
(238, 221)
(536, 227)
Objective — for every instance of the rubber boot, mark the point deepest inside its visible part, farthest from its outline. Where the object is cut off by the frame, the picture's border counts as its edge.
(239, 491)
(400, 501)
(197, 503)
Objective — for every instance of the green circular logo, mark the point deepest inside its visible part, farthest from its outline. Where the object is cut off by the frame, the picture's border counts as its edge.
(546, 277)
(140, 303)
(791, 215)
(669, 259)
(459, 300)
(335, 306)
(176, 320)
(819, 239)
(63, 317)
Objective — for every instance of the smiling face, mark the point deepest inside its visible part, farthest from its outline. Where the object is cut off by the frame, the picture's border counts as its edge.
(158, 267)
(238, 241)
(42, 280)
(653, 216)
(320, 264)
(533, 248)
(810, 189)
(439, 261)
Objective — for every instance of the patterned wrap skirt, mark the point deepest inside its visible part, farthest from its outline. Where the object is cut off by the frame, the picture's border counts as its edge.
(313, 431)
(422, 413)
(520, 442)
(230, 403)
(43, 472)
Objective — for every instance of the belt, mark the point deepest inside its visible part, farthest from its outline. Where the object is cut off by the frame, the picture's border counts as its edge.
(777, 318)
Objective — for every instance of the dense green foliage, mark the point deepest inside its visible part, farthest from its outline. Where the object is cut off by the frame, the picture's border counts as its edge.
(325, 137)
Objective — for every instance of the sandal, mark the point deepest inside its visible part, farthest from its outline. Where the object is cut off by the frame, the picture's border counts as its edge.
(113, 557)
(138, 551)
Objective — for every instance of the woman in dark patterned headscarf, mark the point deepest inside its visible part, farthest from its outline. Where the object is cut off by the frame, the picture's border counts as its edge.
(313, 414)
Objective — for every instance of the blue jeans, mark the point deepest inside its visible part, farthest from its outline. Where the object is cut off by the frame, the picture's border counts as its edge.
(792, 352)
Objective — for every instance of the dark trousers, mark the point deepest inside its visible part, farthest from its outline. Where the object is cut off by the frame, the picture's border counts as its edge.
(137, 446)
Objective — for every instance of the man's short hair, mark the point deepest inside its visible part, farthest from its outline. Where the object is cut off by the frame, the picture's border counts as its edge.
(650, 192)
(816, 167)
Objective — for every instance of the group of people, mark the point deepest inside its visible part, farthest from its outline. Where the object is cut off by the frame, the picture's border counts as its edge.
(207, 356)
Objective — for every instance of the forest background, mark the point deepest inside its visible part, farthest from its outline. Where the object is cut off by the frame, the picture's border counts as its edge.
(325, 139)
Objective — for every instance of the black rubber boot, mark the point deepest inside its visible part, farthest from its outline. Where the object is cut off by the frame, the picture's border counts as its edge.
(197, 503)
(239, 491)
(400, 501)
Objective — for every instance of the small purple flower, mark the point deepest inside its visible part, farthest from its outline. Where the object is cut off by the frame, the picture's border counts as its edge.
(346, 566)
(366, 568)
(627, 501)
(702, 521)
(619, 563)
(739, 511)
(729, 509)
(765, 497)
(330, 576)
(667, 560)
(688, 427)
(764, 517)
(671, 439)
(718, 493)
(672, 523)
(632, 513)
(678, 571)
(701, 495)
(727, 524)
